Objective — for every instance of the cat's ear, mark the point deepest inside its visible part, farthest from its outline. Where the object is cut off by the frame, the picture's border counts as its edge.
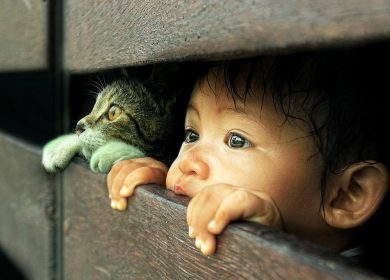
(124, 72)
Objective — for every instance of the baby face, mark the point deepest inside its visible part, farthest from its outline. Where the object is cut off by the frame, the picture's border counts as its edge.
(249, 145)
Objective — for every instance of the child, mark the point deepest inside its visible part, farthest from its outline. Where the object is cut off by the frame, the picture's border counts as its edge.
(293, 142)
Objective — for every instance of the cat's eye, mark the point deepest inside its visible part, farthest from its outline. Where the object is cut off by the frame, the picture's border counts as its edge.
(236, 141)
(190, 136)
(114, 112)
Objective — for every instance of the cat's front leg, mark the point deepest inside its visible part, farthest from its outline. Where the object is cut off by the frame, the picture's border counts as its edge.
(57, 153)
(113, 151)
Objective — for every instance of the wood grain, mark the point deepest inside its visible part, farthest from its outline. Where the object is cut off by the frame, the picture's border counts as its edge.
(106, 34)
(24, 35)
(150, 241)
(26, 209)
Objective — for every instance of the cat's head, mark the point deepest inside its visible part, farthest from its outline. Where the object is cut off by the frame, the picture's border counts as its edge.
(138, 113)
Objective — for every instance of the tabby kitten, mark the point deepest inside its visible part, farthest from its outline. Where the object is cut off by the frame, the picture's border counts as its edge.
(130, 119)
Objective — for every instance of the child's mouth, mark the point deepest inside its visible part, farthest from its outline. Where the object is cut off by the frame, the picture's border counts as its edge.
(178, 190)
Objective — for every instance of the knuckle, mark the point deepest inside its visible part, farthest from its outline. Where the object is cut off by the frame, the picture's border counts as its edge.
(189, 218)
(222, 214)
(241, 196)
(206, 194)
(116, 167)
(147, 172)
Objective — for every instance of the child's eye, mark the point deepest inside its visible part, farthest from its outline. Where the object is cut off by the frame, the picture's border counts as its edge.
(191, 136)
(237, 141)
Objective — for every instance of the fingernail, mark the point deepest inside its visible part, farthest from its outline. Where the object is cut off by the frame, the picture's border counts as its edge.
(113, 204)
(212, 224)
(204, 250)
(121, 204)
(109, 196)
(198, 243)
(123, 191)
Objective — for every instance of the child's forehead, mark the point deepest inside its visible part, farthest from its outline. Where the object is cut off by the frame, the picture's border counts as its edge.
(215, 85)
(214, 94)
(250, 97)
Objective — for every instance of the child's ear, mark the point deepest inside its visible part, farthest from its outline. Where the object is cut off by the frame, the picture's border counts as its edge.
(353, 196)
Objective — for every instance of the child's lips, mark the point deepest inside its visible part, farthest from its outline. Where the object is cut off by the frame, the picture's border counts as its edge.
(186, 186)
(177, 189)
(180, 186)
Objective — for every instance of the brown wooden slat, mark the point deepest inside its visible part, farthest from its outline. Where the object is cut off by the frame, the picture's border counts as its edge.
(150, 241)
(24, 35)
(26, 208)
(105, 34)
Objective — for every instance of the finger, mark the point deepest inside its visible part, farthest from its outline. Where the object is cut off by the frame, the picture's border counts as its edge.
(110, 177)
(244, 205)
(119, 179)
(201, 211)
(151, 162)
(114, 172)
(120, 204)
(206, 243)
(141, 176)
(190, 212)
(197, 210)
(130, 165)
(193, 211)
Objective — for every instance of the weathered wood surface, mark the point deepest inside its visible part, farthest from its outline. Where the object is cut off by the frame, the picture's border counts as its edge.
(24, 35)
(26, 209)
(106, 34)
(150, 241)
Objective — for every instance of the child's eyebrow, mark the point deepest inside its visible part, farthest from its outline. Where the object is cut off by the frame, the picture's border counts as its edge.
(233, 110)
(238, 111)
(244, 113)
(191, 107)
(260, 120)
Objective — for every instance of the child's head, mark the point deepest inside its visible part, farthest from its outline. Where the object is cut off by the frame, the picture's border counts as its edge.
(306, 129)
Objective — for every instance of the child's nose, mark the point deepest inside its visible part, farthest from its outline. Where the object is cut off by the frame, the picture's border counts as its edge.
(192, 163)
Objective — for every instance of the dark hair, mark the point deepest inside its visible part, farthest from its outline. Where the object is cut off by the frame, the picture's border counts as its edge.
(352, 86)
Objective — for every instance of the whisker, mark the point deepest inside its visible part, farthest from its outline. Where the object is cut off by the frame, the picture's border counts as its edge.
(90, 93)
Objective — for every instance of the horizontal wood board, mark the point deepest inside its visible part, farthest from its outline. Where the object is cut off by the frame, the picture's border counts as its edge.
(26, 209)
(150, 241)
(107, 34)
(24, 35)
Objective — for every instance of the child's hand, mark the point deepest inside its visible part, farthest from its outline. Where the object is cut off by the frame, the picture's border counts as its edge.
(214, 207)
(126, 175)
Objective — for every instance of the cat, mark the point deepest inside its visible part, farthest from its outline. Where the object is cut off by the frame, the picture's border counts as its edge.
(130, 119)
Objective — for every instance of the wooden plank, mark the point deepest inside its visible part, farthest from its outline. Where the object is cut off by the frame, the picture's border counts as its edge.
(24, 35)
(150, 241)
(26, 208)
(107, 34)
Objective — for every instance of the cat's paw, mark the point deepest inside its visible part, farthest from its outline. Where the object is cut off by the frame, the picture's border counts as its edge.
(57, 153)
(113, 151)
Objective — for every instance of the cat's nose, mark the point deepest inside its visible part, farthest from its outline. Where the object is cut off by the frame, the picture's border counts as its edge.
(80, 127)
